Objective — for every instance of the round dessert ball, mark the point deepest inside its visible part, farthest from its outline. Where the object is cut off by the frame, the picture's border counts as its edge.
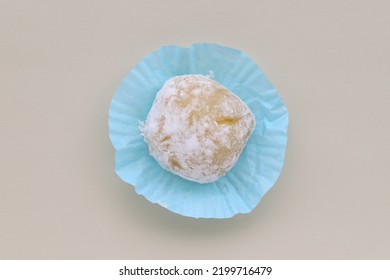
(197, 128)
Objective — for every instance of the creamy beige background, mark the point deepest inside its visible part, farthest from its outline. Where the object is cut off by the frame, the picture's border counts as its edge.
(60, 63)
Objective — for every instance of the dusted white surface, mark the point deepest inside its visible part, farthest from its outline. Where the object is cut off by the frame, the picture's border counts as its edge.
(172, 127)
(60, 63)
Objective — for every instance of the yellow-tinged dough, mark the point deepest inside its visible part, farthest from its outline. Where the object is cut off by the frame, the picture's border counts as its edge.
(197, 128)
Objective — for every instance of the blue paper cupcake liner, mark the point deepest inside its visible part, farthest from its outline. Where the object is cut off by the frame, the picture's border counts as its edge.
(260, 163)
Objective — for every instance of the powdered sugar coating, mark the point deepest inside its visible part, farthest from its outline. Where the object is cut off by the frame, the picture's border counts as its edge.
(197, 128)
